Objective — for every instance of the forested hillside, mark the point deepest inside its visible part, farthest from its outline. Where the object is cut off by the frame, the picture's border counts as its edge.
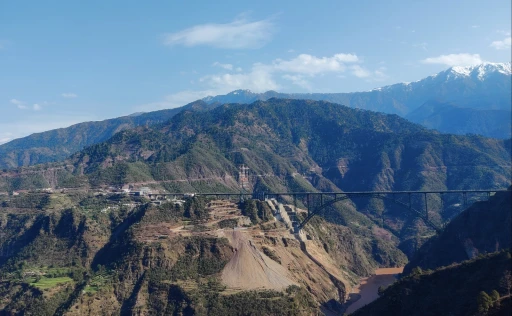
(480, 286)
(59, 144)
(289, 145)
(482, 228)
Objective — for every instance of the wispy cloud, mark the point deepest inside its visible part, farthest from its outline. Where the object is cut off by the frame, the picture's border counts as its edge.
(298, 80)
(5, 137)
(475, 26)
(69, 95)
(503, 44)
(312, 65)
(370, 76)
(225, 66)
(504, 32)
(36, 124)
(239, 34)
(260, 77)
(455, 60)
(176, 99)
(21, 105)
(360, 72)
(422, 45)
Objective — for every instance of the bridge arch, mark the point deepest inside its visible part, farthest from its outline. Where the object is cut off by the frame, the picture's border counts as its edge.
(376, 196)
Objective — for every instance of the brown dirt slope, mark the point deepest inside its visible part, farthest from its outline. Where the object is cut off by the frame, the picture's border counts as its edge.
(250, 269)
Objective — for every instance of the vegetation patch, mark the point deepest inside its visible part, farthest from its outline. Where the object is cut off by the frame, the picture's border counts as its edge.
(48, 283)
(271, 254)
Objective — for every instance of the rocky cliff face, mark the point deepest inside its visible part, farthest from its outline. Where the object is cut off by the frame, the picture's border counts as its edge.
(95, 255)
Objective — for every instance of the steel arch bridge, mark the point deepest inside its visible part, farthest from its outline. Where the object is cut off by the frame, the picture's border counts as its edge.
(343, 196)
(409, 207)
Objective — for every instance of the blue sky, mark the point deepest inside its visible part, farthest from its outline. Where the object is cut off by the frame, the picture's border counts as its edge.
(64, 62)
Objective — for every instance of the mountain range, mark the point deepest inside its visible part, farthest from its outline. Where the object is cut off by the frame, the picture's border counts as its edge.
(82, 251)
(289, 145)
(486, 86)
(460, 100)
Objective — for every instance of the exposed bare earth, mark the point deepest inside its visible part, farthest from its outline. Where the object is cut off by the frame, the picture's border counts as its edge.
(250, 269)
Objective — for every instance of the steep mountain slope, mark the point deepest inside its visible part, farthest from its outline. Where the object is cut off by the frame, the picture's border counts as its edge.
(450, 118)
(483, 87)
(290, 145)
(453, 290)
(484, 227)
(59, 144)
(473, 100)
(81, 253)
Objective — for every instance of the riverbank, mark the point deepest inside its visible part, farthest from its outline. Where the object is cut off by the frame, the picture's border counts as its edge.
(367, 290)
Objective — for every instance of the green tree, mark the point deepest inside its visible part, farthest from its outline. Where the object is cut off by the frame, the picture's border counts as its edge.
(250, 210)
(195, 208)
(495, 296)
(484, 303)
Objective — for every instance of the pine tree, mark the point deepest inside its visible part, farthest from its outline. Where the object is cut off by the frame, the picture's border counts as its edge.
(484, 303)
(495, 296)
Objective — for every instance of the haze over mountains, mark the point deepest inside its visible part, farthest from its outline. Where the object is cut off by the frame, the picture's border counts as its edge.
(486, 88)
(460, 100)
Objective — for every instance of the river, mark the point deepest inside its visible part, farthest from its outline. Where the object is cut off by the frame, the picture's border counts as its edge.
(367, 291)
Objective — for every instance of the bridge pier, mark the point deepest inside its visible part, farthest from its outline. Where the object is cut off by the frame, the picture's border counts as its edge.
(426, 206)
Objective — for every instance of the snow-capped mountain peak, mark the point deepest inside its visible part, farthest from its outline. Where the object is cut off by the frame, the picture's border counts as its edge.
(481, 71)
(465, 71)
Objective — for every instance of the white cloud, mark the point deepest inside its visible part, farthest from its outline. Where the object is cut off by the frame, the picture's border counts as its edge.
(475, 26)
(21, 105)
(225, 66)
(238, 34)
(176, 100)
(504, 44)
(360, 72)
(504, 32)
(17, 102)
(263, 77)
(311, 65)
(298, 80)
(69, 95)
(455, 60)
(5, 137)
(259, 79)
(370, 76)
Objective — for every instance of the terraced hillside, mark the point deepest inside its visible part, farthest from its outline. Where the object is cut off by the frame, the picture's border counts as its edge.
(88, 254)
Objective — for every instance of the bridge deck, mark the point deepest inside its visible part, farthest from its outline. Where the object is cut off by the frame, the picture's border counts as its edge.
(348, 193)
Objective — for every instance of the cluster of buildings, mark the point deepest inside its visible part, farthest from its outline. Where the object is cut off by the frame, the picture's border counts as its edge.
(130, 190)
